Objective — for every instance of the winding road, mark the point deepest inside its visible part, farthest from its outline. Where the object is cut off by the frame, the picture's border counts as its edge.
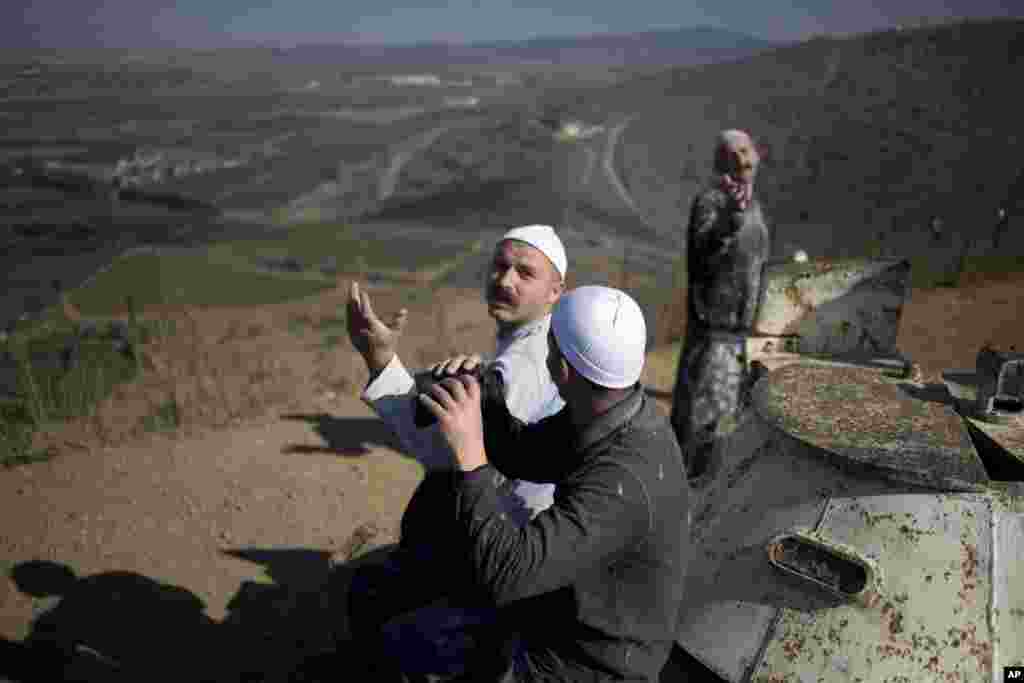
(403, 154)
(599, 149)
(609, 164)
(588, 169)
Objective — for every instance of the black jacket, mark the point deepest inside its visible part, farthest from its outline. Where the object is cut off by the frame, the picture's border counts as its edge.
(596, 580)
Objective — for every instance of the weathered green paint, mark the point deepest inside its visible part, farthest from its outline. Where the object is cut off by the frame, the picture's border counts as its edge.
(922, 630)
(834, 306)
(945, 547)
(862, 418)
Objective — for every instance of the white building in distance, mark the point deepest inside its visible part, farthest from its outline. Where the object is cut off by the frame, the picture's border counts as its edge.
(415, 79)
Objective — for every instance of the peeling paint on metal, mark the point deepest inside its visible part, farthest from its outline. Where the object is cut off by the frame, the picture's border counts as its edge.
(850, 304)
(993, 606)
(861, 419)
(1008, 599)
(968, 573)
(902, 631)
(929, 615)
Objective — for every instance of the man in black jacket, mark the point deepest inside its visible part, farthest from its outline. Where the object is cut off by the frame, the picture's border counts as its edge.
(594, 583)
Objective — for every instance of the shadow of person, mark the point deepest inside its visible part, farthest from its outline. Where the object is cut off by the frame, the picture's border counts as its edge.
(334, 657)
(347, 436)
(296, 567)
(117, 625)
(290, 629)
(16, 665)
(279, 623)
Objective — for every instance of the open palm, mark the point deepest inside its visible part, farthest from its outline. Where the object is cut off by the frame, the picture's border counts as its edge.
(374, 339)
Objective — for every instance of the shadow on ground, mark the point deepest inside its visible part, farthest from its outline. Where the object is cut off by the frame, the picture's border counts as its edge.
(347, 436)
(125, 626)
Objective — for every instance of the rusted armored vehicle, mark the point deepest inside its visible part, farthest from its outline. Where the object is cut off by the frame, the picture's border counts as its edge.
(859, 523)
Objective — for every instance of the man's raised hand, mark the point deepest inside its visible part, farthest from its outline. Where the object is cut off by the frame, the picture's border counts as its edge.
(375, 340)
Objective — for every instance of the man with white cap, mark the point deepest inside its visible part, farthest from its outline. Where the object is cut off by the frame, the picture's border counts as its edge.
(526, 278)
(595, 581)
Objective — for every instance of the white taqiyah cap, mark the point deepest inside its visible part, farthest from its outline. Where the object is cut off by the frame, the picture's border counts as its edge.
(602, 333)
(542, 237)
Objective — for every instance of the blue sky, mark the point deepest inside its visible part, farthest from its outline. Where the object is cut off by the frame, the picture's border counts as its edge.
(202, 23)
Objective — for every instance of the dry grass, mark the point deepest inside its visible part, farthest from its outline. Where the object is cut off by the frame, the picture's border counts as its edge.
(213, 372)
(217, 367)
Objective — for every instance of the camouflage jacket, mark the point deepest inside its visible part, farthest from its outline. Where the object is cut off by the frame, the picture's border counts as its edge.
(725, 252)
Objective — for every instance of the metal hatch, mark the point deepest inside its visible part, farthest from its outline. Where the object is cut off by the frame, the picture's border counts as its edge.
(868, 420)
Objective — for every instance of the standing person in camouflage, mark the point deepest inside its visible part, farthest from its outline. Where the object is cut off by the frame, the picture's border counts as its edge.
(727, 246)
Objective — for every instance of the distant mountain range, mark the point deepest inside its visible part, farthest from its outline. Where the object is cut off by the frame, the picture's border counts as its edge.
(678, 46)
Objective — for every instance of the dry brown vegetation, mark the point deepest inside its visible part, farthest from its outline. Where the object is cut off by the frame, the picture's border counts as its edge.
(226, 366)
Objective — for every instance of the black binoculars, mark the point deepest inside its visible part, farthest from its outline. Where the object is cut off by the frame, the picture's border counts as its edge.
(492, 387)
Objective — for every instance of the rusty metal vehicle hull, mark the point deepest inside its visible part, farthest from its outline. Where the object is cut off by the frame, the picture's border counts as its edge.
(855, 526)
(940, 604)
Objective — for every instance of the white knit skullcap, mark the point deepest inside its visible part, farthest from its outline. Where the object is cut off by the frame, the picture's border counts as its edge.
(542, 237)
(602, 333)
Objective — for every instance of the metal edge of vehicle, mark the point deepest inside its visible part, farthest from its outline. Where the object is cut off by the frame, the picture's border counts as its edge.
(930, 548)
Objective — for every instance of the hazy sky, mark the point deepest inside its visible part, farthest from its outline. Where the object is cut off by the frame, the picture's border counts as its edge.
(202, 23)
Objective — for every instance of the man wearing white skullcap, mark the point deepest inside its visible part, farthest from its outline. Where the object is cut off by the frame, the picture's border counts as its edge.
(527, 273)
(526, 278)
(595, 580)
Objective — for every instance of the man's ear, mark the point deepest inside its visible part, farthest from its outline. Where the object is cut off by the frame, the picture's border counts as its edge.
(557, 288)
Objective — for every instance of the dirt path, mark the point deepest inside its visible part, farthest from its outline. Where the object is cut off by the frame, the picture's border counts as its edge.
(402, 154)
(609, 165)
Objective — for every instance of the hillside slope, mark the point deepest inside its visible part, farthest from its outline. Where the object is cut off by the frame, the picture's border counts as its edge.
(865, 137)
